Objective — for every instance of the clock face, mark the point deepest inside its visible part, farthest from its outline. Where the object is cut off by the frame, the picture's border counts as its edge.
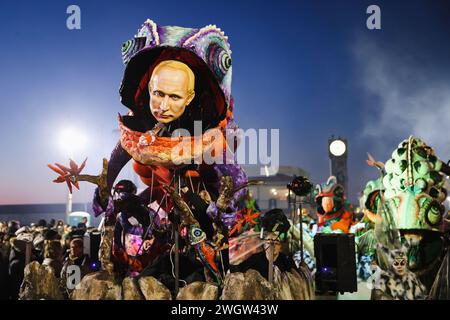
(337, 148)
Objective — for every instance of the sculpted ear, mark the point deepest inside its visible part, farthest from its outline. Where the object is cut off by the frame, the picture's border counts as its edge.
(190, 97)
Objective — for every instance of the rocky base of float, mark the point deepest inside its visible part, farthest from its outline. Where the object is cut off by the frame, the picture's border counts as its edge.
(40, 283)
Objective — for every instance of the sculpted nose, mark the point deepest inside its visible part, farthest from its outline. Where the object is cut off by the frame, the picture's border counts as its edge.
(165, 103)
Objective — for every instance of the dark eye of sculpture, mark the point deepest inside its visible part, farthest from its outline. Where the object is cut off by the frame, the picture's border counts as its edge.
(434, 192)
(421, 152)
(437, 178)
(417, 166)
(432, 158)
(401, 151)
(403, 165)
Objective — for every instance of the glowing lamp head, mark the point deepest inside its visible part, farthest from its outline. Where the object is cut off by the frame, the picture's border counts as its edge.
(72, 141)
(337, 148)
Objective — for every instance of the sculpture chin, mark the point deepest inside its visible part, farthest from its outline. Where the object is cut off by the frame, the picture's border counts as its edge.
(164, 119)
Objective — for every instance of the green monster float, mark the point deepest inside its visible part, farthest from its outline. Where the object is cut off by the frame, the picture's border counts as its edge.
(411, 188)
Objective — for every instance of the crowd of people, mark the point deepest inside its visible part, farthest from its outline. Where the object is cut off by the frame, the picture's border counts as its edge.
(53, 244)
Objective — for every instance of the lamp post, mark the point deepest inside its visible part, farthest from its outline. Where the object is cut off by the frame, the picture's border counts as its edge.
(337, 152)
(68, 206)
(71, 141)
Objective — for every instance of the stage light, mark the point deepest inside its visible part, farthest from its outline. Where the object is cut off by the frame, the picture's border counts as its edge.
(95, 266)
(300, 186)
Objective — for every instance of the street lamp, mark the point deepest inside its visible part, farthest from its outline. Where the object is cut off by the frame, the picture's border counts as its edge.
(337, 152)
(71, 141)
(338, 148)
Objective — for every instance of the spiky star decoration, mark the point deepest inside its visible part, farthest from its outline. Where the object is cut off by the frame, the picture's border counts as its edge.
(67, 174)
(72, 175)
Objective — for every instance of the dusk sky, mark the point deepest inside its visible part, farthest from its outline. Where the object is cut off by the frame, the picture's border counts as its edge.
(309, 68)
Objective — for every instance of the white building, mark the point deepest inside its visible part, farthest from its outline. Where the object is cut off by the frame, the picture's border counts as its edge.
(274, 193)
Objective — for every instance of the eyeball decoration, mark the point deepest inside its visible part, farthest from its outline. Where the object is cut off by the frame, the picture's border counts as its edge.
(196, 235)
(130, 47)
(219, 59)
